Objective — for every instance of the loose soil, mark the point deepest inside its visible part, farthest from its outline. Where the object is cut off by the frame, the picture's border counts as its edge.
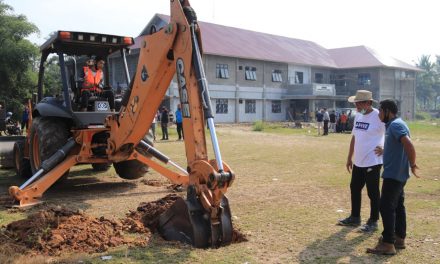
(58, 230)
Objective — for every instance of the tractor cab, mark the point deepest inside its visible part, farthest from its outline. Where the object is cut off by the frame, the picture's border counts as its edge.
(74, 49)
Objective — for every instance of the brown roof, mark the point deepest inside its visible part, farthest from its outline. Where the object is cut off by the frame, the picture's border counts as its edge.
(363, 57)
(240, 43)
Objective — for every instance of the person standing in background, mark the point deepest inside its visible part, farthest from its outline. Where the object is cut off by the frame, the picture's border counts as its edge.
(25, 117)
(326, 119)
(164, 119)
(179, 121)
(333, 122)
(319, 118)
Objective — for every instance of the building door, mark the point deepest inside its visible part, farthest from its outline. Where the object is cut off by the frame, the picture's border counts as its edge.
(296, 109)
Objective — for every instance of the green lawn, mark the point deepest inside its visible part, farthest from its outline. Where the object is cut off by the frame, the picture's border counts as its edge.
(291, 188)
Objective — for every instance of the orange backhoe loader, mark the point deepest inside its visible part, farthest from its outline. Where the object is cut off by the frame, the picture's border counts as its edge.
(61, 137)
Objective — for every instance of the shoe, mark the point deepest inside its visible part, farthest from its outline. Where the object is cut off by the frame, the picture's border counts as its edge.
(370, 226)
(399, 243)
(350, 221)
(382, 248)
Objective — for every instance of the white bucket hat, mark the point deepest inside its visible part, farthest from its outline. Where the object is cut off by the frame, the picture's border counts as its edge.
(361, 95)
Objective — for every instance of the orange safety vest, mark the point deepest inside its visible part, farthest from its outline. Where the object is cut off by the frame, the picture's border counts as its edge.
(90, 79)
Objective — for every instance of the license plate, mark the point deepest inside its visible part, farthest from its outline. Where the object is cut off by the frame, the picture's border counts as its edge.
(102, 106)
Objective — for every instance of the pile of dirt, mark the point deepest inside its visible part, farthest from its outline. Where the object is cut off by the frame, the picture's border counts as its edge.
(147, 213)
(169, 186)
(57, 230)
(152, 182)
(176, 187)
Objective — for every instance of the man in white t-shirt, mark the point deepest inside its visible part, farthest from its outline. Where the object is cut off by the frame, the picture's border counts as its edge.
(368, 134)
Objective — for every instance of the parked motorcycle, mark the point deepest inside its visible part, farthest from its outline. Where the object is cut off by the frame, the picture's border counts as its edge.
(11, 127)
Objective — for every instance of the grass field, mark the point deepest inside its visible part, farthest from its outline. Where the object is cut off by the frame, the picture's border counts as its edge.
(291, 188)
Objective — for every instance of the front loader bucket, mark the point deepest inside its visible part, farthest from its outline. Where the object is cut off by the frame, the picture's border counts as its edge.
(188, 222)
(7, 150)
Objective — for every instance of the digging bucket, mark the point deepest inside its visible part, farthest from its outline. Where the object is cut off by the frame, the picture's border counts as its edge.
(7, 150)
(187, 221)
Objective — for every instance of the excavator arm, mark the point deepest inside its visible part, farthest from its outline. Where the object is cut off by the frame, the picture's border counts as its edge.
(175, 50)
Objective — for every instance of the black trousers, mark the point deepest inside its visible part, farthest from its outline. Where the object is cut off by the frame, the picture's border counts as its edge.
(325, 127)
(359, 177)
(164, 127)
(392, 210)
(180, 130)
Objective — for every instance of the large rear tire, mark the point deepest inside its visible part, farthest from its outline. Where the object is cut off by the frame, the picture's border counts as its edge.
(48, 134)
(22, 165)
(134, 169)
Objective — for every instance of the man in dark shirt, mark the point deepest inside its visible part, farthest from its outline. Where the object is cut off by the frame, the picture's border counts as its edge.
(399, 157)
(333, 122)
(164, 122)
(319, 120)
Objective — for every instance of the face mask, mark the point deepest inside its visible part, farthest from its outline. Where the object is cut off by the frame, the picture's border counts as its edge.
(363, 111)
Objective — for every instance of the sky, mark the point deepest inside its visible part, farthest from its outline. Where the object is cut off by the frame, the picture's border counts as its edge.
(403, 29)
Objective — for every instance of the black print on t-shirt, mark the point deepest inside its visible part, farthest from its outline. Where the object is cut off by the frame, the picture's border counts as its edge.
(362, 125)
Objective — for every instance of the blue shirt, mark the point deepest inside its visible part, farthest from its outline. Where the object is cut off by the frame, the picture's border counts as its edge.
(178, 116)
(319, 117)
(395, 160)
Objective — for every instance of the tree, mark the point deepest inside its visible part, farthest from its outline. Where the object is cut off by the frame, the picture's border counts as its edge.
(426, 81)
(52, 77)
(17, 57)
(436, 86)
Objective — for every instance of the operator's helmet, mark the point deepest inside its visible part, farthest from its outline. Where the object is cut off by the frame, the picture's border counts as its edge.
(8, 114)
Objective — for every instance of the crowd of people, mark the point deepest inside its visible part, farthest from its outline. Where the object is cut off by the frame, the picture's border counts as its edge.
(163, 117)
(333, 121)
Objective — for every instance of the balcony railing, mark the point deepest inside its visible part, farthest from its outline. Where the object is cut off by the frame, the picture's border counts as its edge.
(311, 89)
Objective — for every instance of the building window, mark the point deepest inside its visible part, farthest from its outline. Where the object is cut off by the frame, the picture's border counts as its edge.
(249, 107)
(409, 74)
(299, 77)
(222, 71)
(276, 106)
(277, 76)
(250, 73)
(364, 79)
(221, 106)
(338, 80)
(319, 77)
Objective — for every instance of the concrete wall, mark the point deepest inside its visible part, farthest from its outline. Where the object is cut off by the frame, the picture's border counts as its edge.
(395, 85)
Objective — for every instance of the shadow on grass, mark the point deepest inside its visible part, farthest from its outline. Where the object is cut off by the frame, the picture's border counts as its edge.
(81, 186)
(338, 248)
(158, 251)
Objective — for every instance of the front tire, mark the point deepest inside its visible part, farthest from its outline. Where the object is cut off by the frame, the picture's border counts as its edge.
(48, 135)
